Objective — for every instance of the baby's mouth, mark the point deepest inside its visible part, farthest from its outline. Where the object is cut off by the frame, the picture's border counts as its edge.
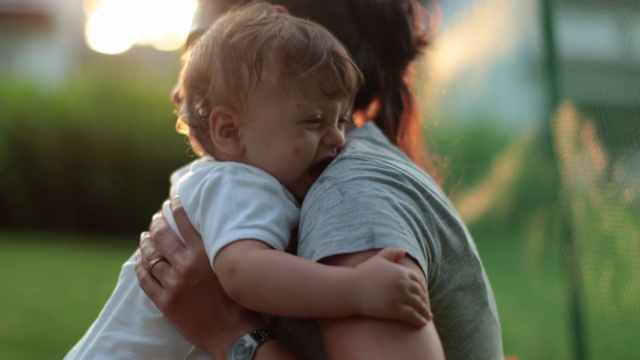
(316, 169)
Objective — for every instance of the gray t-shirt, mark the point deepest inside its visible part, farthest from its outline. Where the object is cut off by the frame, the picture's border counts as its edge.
(372, 196)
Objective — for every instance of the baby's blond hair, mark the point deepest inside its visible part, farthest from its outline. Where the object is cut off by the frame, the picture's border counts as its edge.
(227, 62)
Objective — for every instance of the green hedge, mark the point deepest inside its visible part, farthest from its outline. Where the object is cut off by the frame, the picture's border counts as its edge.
(94, 156)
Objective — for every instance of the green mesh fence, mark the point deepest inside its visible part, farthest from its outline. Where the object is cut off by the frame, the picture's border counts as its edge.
(596, 137)
(600, 193)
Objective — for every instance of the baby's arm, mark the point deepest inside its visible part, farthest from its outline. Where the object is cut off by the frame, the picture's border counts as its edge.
(274, 282)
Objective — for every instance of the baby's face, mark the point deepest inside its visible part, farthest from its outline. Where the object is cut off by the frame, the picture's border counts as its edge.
(292, 131)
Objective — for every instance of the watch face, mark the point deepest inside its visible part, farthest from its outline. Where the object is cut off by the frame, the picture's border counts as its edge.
(241, 352)
(243, 349)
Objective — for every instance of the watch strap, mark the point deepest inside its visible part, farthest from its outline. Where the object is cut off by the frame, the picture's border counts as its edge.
(261, 336)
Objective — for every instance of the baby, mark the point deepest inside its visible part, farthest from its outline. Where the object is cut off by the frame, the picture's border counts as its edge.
(266, 99)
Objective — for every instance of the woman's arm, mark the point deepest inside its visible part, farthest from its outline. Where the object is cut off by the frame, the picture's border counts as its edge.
(359, 337)
(277, 283)
(187, 291)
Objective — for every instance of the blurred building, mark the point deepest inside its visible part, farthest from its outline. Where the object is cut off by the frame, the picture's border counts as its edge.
(43, 42)
(490, 58)
(597, 69)
(598, 50)
(40, 40)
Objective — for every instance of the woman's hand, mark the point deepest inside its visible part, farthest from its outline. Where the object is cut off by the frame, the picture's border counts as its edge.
(184, 287)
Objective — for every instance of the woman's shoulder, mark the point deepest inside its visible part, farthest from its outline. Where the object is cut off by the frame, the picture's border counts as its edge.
(369, 155)
(370, 167)
(369, 144)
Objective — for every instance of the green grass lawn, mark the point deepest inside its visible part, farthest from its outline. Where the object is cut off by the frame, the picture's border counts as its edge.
(53, 288)
(530, 292)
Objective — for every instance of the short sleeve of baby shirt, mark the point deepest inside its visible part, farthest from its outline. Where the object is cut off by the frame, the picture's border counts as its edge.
(228, 201)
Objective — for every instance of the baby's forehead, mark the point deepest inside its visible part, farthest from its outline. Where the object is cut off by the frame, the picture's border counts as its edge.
(312, 85)
(307, 91)
(301, 79)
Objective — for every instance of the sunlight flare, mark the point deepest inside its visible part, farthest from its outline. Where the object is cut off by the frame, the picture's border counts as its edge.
(114, 26)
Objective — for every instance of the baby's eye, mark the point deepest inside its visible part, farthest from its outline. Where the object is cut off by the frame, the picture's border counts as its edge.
(344, 120)
(314, 121)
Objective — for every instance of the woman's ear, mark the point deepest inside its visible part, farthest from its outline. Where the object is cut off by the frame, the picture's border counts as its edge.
(225, 130)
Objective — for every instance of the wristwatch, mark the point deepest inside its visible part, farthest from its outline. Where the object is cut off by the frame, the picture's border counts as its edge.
(245, 348)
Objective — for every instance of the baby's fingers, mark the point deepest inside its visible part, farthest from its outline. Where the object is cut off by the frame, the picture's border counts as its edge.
(409, 315)
(420, 305)
(419, 288)
(420, 301)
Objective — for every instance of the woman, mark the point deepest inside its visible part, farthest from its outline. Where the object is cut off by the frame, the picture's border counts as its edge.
(370, 197)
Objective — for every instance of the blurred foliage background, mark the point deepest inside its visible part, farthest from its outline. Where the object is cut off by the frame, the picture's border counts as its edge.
(91, 157)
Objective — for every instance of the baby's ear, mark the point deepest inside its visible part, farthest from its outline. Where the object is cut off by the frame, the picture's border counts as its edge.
(225, 132)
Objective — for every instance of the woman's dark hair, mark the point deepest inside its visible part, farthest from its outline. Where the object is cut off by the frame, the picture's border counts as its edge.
(383, 37)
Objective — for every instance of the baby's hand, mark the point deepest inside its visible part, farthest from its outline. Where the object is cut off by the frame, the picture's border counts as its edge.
(391, 291)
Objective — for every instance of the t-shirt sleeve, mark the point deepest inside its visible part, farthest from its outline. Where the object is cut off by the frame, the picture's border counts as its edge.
(240, 203)
(362, 207)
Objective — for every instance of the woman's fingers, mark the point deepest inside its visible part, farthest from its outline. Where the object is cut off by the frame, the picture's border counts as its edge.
(189, 233)
(148, 250)
(165, 242)
(149, 284)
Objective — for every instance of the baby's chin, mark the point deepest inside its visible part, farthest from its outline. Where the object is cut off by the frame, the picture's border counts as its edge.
(318, 168)
(300, 190)
(312, 175)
